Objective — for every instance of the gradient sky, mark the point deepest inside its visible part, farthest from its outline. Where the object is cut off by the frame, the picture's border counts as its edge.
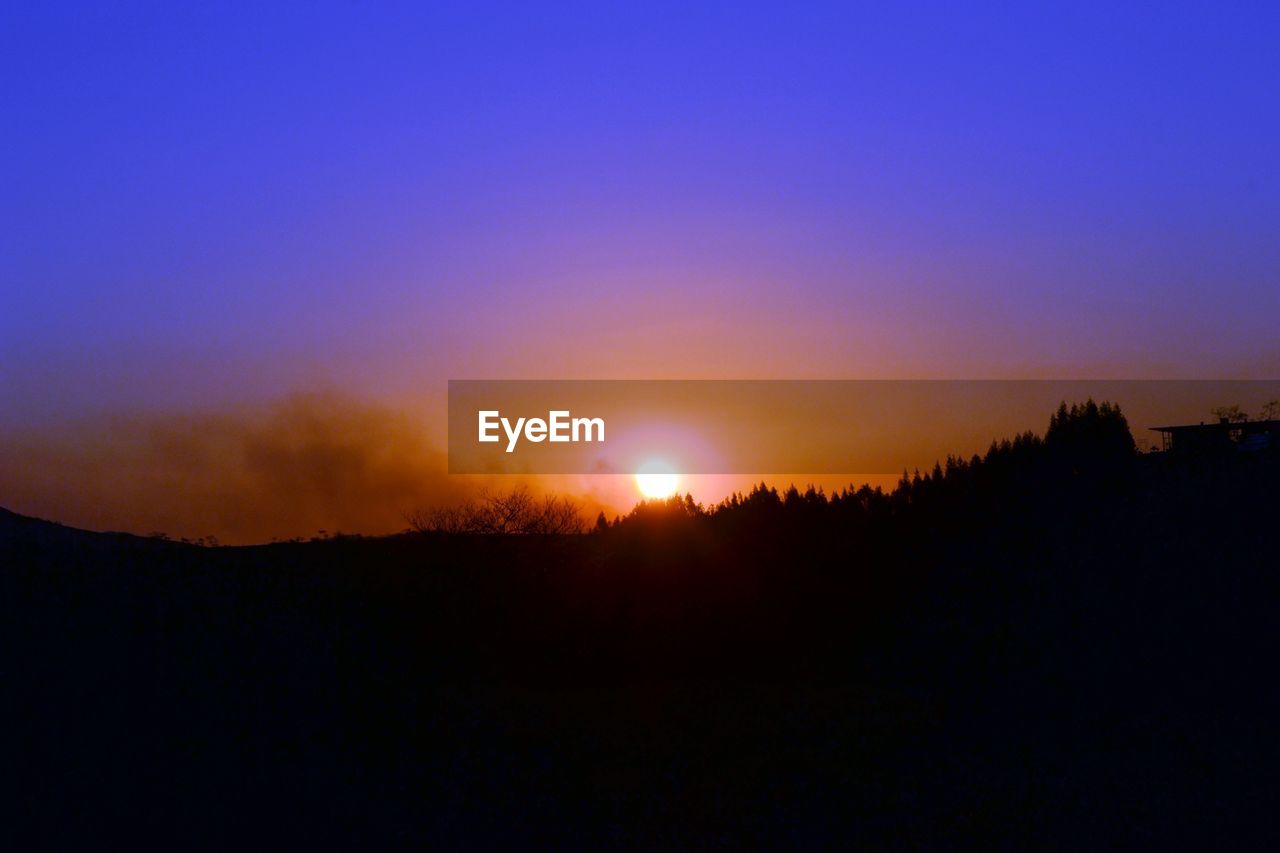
(210, 204)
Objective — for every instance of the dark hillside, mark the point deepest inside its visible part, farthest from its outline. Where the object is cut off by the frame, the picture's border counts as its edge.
(1061, 643)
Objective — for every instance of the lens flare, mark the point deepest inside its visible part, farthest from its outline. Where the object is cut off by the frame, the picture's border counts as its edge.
(657, 480)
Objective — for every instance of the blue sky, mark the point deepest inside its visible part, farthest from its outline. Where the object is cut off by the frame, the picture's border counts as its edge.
(208, 202)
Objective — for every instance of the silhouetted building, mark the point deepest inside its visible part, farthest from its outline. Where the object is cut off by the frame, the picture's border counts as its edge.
(1225, 435)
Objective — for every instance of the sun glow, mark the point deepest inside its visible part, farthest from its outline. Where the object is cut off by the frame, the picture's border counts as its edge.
(657, 480)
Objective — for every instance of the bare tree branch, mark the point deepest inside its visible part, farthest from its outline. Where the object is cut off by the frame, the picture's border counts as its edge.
(514, 512)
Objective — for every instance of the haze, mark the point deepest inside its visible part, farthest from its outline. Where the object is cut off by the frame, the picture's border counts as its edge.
(208, 211)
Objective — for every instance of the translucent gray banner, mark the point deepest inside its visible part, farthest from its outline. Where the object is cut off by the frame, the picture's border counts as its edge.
(792, 427)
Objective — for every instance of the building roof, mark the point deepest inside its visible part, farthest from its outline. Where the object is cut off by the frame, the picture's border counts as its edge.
(1223, 426)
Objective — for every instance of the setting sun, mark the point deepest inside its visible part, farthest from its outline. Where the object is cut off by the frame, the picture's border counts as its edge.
(657, 480)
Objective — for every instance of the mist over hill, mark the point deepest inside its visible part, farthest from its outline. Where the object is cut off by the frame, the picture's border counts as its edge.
(1059, 642)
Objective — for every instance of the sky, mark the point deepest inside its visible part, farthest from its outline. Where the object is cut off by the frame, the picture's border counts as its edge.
(207, 210)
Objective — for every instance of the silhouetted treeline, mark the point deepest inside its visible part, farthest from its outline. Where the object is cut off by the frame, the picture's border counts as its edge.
(518, 512)
(1087, 443)
(1058, 643)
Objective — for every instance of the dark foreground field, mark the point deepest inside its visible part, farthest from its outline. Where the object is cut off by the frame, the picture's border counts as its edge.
(1025, 651)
